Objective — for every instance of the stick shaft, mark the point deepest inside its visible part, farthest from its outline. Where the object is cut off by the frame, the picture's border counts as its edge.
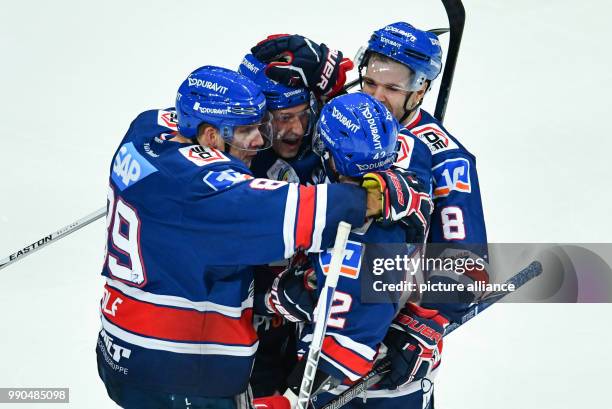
(51, 238)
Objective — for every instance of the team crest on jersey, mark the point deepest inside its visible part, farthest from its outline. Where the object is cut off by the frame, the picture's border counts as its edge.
(351, 264)
(281, 170)
(436, 139)
(224, 179)
(167, 119)
(202, 155)
(404, 151)
(452, 174)
(129, 167)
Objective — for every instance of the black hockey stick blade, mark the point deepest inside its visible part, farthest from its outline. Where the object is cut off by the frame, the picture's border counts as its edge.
(456, 20)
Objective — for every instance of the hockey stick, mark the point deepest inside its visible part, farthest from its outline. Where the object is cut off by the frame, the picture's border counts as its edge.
(51, 238)
(323, 311)
(518, 280)
(456, 20)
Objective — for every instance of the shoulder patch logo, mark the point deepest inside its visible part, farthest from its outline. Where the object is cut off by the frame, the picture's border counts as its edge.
(436, 139)
(404, 152)
(167, 119)
(452, 174)
(224, 179)
(281, 170)
(129, 167)
(202, 155)
(351, 264)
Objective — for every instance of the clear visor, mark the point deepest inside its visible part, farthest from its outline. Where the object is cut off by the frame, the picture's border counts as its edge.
(292, 122)
(254, 137)
(318, 146)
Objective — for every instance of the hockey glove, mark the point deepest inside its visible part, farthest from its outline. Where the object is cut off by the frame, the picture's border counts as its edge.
(296, 61)
(292, 294)
(414, 345)
(403, 199)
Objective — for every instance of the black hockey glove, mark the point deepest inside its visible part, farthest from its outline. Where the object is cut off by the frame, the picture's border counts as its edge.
(404, 199)
(414, 345)
(296, 61)
(292, 294)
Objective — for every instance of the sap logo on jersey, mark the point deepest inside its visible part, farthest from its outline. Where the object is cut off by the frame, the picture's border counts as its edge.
(202, 156)
(130, 166)
(213, 86)
(351, 264)
(224, 179)
(452, 174)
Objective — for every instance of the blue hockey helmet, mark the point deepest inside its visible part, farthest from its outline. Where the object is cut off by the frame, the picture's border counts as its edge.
(419, 50)
(359, 132)
(278, 96)
(220, 97)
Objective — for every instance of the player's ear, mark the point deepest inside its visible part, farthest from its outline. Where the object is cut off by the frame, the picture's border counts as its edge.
(209, 136)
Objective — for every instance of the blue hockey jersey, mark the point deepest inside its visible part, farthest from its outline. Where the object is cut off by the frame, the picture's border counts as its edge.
(185, 224)
(458, 215)
(361, 311)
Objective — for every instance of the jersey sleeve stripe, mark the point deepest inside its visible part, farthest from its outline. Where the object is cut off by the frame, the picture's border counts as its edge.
(349, 362)
(289, 220)
(320, 214)
(175, 324)
(305, 217)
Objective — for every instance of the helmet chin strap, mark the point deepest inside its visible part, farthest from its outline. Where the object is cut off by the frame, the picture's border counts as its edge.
(408, 112)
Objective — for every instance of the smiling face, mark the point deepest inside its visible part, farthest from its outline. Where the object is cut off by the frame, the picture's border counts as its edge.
(290, 125)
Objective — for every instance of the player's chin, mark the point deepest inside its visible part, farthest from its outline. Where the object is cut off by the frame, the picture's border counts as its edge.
(248, 158)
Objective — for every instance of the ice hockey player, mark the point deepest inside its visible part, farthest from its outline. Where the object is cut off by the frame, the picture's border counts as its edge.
(290, 159)
(356, 134)
(293, 112)
(186, 220)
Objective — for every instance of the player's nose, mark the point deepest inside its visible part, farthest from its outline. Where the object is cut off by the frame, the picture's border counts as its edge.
(296, 127)
(379, 93)
(257, 141)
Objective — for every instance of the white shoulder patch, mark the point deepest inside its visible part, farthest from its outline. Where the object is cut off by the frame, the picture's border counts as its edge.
(434, 137)
(167, 119)
(202, 155)
(404, 152)
(281, 170)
